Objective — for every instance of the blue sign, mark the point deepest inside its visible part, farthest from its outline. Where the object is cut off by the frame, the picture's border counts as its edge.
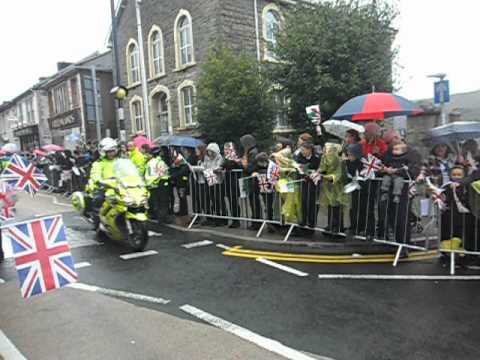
(442, 92)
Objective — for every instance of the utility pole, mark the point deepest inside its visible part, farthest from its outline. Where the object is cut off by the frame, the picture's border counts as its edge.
(95, 102)
(143, 73)
(116, 70)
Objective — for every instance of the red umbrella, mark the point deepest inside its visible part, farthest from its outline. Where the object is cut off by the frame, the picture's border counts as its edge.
(376, 106)
(52, 148)
(39, 152)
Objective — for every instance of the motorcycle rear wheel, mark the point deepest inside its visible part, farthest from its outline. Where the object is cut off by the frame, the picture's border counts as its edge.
(139, 238)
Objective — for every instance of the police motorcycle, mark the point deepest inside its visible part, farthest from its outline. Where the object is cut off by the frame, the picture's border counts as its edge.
(123, 215)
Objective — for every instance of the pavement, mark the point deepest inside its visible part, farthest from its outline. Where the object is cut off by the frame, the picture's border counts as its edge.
(190, 297)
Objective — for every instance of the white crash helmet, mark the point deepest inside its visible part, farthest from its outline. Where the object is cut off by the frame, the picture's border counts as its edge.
(107, 144)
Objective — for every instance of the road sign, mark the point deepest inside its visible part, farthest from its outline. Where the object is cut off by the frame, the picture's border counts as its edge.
(442, 92)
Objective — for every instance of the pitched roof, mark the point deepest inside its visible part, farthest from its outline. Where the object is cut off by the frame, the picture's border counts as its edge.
(465, 104)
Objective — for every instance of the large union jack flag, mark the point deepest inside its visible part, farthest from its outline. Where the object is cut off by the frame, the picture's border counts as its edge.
(42, 255)
(23, 175)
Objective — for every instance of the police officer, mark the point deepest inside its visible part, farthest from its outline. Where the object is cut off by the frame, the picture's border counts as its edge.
(102, 169)
(157, 180)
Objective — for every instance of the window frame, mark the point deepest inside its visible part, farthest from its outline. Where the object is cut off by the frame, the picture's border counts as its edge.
(156, 30)
(275, 10)
(161, 89)
(130, 68)
(182, 107)
(178, 38)
(134, 117)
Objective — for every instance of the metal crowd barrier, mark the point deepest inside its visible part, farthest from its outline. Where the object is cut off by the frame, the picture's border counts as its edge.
(411, 222)
(64, 181)
(460, 229)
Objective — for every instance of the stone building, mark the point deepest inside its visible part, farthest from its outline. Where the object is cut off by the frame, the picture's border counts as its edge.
(71, 101)
(23, 120)
(177, 37)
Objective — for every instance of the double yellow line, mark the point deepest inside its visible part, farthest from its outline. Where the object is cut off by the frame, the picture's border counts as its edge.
(238, 251)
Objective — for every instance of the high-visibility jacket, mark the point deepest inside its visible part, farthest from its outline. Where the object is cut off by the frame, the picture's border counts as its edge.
(138, 159)
(101, 169)
(155, 171)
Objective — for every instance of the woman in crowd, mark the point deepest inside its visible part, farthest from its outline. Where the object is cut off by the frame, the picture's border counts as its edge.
(232, 165)
(214, 176)
(250, 151)
(288, 185)
(332, 195)
(440, 163)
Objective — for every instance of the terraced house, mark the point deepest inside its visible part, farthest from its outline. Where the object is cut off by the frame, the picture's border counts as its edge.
(177, 35)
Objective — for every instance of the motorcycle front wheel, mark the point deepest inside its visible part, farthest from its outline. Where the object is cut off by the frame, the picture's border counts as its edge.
(138, 239)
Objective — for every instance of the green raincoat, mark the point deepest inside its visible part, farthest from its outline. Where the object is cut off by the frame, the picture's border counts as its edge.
(332, 188)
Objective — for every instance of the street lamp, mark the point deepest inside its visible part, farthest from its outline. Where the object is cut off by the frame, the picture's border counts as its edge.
(443, 91)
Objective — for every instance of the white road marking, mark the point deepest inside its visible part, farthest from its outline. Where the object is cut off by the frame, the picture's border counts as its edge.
(224, 247)
(138, 255)
(264, 342)
(119, 293)
(397, 277)
(197, 244)
(82, 265)
(2, 281)
(153, 233)
(282, 267)
(8, 350)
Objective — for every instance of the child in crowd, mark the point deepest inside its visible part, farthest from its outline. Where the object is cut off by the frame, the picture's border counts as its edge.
(396, 166)
(457, 220)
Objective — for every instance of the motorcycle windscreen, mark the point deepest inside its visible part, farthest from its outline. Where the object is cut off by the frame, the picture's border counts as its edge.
(126, 173)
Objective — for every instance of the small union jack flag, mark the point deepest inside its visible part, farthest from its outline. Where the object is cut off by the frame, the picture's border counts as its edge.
(211, 177)
(438, 196)
(263, 183)
(370, 166)
(273, 172)
(7, 202)
(42, 255)
(20, 174)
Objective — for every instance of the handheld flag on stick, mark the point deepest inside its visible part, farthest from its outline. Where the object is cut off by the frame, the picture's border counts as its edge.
(370, 166)
(42, 255)
(273, 172)
(7, 202)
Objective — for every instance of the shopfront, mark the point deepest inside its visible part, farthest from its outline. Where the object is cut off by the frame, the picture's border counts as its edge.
(64, 125)
(28, 137)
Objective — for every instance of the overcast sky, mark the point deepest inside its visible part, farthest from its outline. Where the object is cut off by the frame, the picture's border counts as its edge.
(435, 36)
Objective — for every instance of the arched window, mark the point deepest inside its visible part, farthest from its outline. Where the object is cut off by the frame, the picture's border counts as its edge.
(184, 40)
(271, 28)
(136, 114)
(155, 49)
(133, 63)
(186, 95)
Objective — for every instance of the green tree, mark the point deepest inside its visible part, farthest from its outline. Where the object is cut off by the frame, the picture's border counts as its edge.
(234, 98)
(332, 51)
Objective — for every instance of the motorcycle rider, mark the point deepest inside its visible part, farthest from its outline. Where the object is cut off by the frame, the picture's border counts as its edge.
(102, 169)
